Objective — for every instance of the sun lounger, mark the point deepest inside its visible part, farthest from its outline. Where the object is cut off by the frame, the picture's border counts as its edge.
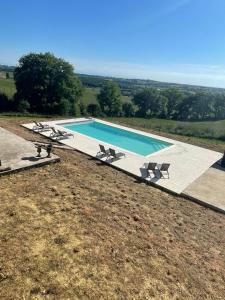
(114, 154)
(103, 151)
(59, 133)
(40, 127)
(152, 167)
(64, 133)
(164, 168)
(54, 132)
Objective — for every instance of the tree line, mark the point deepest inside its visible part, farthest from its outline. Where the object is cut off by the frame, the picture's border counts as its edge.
(170, 103)
(46, 84)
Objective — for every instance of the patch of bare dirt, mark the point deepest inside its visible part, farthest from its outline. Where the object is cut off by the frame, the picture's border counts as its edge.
(79, 229)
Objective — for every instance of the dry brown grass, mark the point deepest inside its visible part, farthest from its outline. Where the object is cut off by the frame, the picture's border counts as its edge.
(82, 230)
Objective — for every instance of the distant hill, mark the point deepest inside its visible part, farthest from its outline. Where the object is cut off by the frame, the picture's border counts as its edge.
(5, 68)
(131, 86)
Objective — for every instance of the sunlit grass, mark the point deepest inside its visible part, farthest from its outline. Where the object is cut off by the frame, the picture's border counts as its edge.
(7, 86)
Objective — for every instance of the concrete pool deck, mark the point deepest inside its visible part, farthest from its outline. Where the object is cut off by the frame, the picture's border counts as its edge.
(209, 189)
(188, 162)
(18, 154)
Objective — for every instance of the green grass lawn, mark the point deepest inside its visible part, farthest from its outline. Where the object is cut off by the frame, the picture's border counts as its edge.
(7, 86)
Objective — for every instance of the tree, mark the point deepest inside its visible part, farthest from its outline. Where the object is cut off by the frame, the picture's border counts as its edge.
(63, 107)
(175, 98)
(202, 106)
(196, 107)
(94, 109)
(5, 103)
(109, 99)
(83, 109)
(7, 75)
(185, 108)
(45, 82)
(151, 103)
(128, 109)
(219, 106)
(23, 106)
(76, 109)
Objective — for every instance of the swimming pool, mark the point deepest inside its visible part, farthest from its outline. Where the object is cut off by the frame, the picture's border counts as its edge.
(125, 139)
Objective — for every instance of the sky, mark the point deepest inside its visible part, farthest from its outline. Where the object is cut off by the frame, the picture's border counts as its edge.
(180, 41)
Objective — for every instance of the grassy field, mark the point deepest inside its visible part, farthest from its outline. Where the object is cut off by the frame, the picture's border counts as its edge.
(7, 86)
(214, 130)
(90, 96)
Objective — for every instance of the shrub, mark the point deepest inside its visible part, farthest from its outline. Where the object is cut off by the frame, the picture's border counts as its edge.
(128, 109)
(5, 103)
(94, 109)
(23, 106)
(76, 110)
(83, 109)
(64, 107)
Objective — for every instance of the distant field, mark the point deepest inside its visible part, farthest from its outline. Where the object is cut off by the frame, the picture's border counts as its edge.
(209, 130)
(7, 86)
(90, 96)
(2, 75)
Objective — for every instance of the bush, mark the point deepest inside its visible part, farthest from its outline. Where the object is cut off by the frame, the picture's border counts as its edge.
(5, 103)
(128, 109)
(23, 106)
(94, 110)
(83, 109)
(76, 110)
(64, 107)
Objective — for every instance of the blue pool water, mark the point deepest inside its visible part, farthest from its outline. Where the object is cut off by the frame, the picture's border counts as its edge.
(128, 140)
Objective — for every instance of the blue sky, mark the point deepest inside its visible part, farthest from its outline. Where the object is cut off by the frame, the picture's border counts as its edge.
(168, 40)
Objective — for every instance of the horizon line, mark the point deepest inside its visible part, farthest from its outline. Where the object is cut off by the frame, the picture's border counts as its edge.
(135, 78)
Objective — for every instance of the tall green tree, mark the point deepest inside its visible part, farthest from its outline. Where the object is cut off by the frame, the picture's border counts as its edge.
(151, 103)
(174, 98)
(219, 106)
(109, 99)
(47, 83)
